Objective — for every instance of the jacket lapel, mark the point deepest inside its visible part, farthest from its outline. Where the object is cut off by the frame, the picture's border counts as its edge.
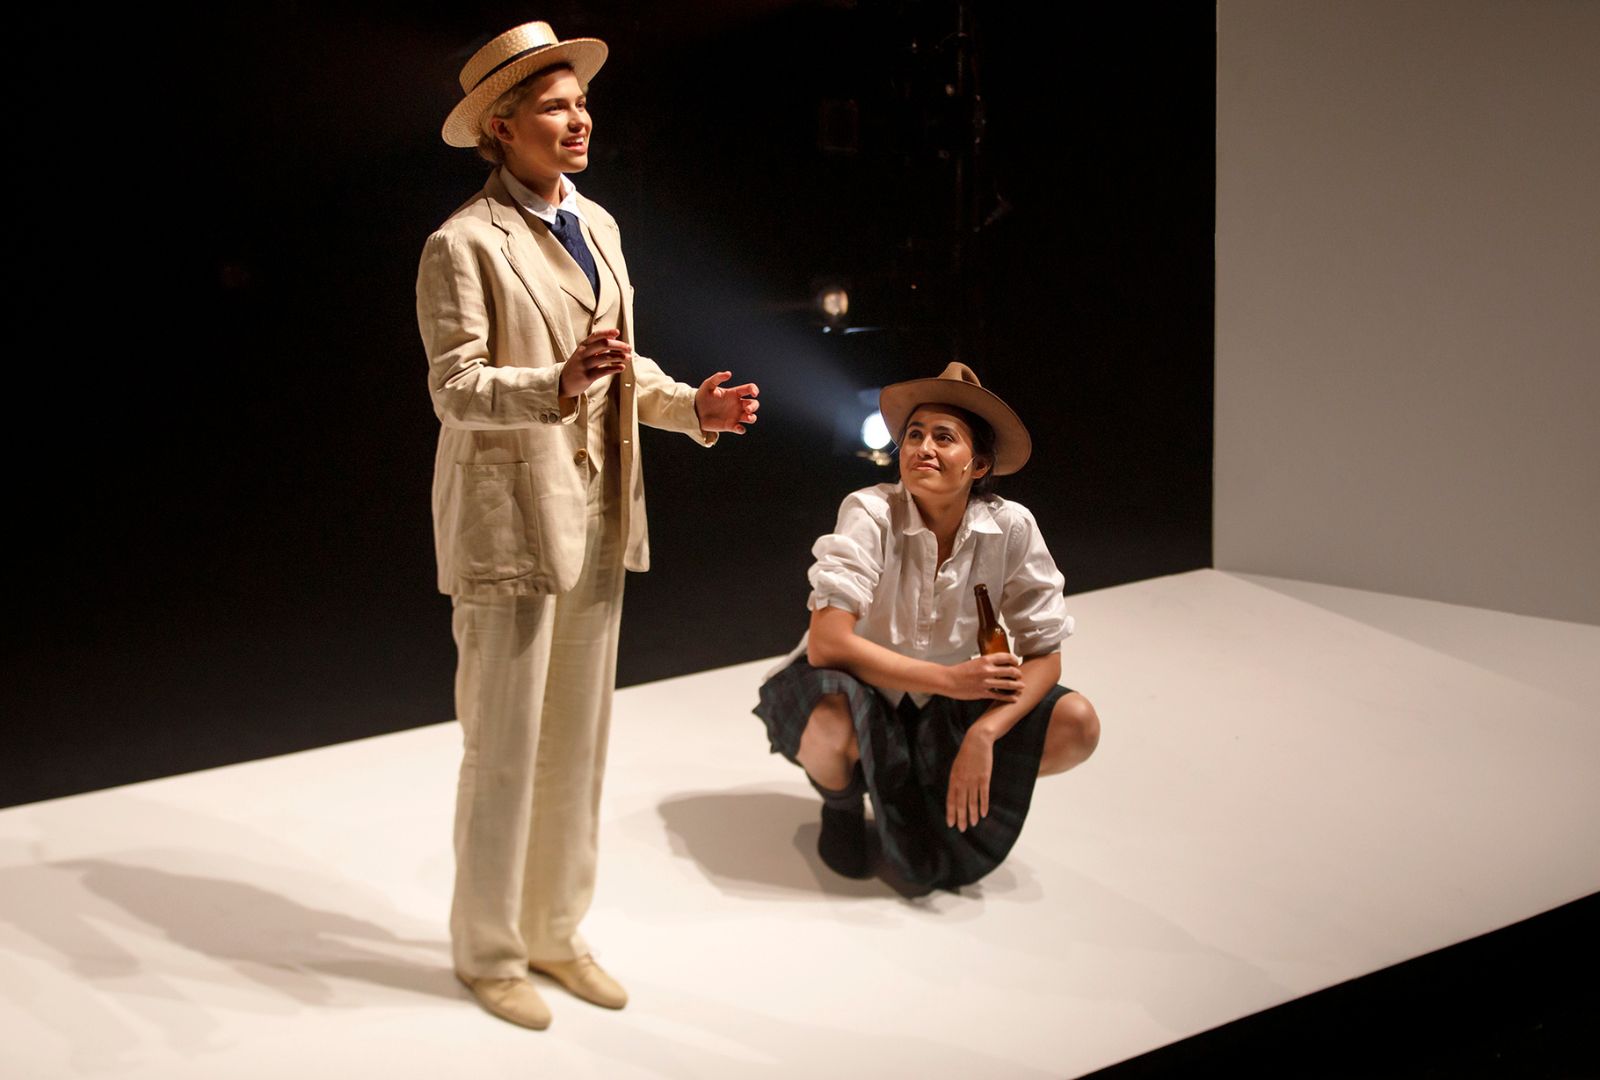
(608, 279)
(574, 282)
(528, 262)
(608, 246)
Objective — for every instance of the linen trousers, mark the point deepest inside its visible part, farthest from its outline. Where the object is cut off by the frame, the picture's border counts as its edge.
(534, 680)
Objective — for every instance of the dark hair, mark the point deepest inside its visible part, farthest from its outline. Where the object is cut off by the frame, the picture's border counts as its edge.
(983, 442)
(505, 107)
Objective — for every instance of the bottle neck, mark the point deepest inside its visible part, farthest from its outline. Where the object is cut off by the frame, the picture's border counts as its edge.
(985, 608)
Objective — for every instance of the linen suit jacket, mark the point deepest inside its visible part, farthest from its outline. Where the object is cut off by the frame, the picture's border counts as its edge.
(510, 488)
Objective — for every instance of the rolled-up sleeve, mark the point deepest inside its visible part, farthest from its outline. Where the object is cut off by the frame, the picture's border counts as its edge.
(849, 560)
(1031, 603)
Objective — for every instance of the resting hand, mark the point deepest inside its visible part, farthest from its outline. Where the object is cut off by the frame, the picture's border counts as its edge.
(996, 677)
(600, 354)
(725, 408)
(966, 802)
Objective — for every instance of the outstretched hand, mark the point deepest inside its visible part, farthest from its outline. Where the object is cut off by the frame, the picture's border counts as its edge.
(725, 408)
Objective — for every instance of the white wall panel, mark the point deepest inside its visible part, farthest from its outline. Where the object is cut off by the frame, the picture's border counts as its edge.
(1408, 298)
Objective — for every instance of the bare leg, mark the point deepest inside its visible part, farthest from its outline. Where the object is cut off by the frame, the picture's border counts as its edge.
(1073, 734)
(829, 753)
(828, 750)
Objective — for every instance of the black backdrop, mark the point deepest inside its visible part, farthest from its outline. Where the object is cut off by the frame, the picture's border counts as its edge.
(221, 436)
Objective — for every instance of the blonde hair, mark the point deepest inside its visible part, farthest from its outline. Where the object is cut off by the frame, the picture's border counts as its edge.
(505, 107)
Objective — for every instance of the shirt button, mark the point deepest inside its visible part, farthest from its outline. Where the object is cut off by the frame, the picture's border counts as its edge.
(581, 457)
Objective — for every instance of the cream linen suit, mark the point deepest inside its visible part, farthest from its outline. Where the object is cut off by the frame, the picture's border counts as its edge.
(537, 509)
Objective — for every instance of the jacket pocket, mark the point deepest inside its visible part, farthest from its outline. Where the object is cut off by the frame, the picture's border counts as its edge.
(497, 522)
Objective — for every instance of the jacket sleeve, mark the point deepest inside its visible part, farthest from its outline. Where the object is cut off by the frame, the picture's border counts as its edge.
(453, 314)
(665, 403)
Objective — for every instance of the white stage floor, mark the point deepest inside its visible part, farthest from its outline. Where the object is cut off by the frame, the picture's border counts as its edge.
(1297, 785)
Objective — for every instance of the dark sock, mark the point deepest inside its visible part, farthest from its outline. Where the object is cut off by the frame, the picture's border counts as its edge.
(843, 840)
(845, 798)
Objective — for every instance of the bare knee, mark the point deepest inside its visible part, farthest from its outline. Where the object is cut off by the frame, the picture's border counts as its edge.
(830, 729)
(1072, 736)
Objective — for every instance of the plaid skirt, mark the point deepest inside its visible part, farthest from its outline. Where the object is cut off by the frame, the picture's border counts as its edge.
(906, 756)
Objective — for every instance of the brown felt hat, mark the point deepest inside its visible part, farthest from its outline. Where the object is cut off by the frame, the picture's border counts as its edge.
(958, 386)
(506, 61)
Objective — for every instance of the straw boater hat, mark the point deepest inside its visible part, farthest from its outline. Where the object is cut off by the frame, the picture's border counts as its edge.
(958, 386)
(506, 61)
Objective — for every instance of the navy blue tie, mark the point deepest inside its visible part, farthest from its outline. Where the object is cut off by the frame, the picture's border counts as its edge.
(570, 233)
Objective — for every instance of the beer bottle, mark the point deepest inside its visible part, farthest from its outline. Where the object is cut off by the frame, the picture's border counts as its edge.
(991, 639)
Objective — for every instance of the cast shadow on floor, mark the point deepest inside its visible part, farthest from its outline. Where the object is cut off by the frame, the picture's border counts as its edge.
(756, 843)
(91, 913)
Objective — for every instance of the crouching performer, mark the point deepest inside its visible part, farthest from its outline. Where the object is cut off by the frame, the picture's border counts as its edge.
(884, 696)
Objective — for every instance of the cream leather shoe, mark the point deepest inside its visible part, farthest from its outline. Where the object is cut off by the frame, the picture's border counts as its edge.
(585, 978)
(510, 999)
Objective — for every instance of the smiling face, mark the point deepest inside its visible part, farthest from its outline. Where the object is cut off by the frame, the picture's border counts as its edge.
(936, 454)
(548, 134)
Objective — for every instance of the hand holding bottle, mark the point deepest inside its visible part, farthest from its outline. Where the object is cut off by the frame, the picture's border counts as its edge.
(996, 677)
(995, 673)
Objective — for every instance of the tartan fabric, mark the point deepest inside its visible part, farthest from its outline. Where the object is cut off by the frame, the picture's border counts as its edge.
(906, 756)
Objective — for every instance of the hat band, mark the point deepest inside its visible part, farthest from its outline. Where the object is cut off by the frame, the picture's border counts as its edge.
(508, 61)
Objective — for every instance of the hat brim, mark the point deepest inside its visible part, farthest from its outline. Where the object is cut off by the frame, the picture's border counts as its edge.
(586, 55)
(1012, 444)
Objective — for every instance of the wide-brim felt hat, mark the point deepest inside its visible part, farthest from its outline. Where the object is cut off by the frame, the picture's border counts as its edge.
(506, 61)
(957, 385)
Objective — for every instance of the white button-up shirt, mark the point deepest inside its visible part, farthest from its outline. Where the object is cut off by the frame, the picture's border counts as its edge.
(536, 205)
(881, 564)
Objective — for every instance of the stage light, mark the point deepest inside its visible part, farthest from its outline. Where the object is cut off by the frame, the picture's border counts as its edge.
(859, 430)
(874, 432)
(834, 303)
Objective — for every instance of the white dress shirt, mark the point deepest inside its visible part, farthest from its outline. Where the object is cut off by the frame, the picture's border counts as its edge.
(536, 205)
(880, 563)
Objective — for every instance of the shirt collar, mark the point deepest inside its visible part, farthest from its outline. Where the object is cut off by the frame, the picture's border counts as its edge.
(979, 517)
(537, 206)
